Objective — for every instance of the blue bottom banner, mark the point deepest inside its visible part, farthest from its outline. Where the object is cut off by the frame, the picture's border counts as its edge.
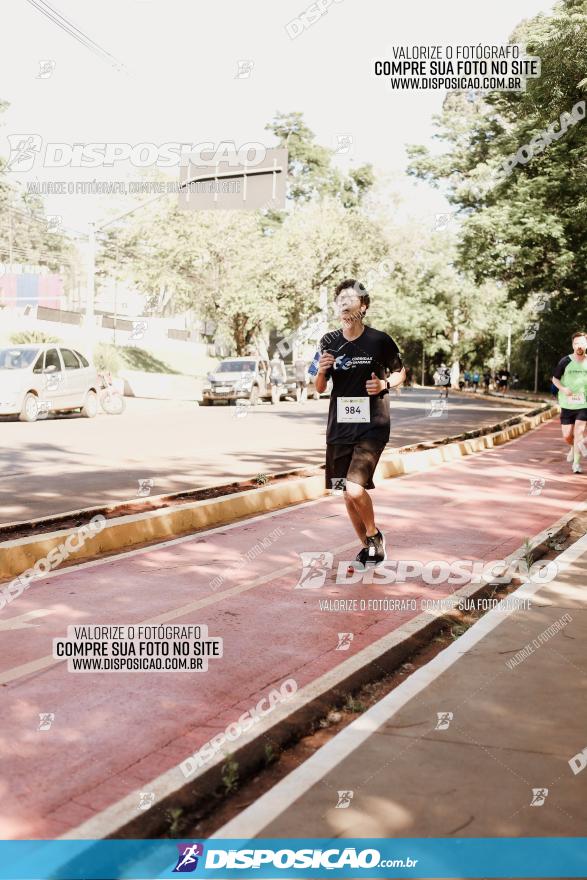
(287, 857)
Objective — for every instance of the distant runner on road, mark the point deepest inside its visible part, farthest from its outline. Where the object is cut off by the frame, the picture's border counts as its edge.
(503, 378)
(357, 358)
(570, 377)
(442, 379)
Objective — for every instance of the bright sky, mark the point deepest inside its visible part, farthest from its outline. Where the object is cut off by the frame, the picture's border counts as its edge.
(182, 82)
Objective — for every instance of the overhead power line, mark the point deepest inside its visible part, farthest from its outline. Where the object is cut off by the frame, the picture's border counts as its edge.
(31, 254)
(68, 26)
(22, 214)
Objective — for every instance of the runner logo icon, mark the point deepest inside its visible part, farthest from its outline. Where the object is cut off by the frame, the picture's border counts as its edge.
(539, 796)
(187, 859)
(444, 719)
(344, 799)
(315, 567)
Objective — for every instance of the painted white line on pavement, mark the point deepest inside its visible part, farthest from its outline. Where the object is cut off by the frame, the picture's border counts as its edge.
(254, 819)
(23, 621)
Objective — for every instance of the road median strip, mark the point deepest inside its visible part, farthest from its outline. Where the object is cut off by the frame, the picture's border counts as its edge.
(19, 555)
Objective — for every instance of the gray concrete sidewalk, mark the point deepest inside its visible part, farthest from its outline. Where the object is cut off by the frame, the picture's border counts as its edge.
(483, 741)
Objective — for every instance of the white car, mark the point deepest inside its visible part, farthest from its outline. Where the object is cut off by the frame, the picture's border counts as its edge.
(38, 379)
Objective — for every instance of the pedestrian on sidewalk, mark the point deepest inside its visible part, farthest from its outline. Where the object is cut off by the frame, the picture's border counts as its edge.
(467, 375)
(277, 377)
(301, 375)
(357, 358)
(476, 377)
(570, 377)
(486, 380)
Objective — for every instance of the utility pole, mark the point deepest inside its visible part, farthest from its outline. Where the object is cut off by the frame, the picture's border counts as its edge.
(323, 301)
(423, 364)
(509, 348)
(455, 370)
(115, 295)
(536, 358)
(10, 235)
(91, 281)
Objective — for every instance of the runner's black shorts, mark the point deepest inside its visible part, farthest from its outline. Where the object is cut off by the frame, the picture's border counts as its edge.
(570, 416)
(356, 462)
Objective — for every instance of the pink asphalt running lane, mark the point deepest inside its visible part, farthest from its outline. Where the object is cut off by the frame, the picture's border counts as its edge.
(114, 732)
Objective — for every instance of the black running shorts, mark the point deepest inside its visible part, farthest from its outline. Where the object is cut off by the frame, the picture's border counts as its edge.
(356, 462)
(570, 416)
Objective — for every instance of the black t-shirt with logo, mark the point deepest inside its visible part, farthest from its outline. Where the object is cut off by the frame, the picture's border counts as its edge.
(354, 361)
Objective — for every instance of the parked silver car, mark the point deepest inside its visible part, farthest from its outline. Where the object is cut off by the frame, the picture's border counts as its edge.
(39, 379)
(243, 378)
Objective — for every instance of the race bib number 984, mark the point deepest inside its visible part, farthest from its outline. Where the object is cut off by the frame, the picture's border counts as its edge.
(353, 409)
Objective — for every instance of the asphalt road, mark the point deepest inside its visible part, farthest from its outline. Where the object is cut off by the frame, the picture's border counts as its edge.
(69, 463)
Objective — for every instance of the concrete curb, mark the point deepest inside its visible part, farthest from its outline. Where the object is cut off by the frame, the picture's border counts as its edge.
(119, 533)
(421, 458)
(123, 532)
(292, 719)
(493, 396)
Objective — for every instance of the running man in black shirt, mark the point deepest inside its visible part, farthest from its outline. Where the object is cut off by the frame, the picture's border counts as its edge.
(357, 358)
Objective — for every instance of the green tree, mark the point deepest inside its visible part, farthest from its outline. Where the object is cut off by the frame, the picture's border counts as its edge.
(434, 309)
(310, 169)
(212, 263)
(318, 245)
(25, 233)
(526, 229)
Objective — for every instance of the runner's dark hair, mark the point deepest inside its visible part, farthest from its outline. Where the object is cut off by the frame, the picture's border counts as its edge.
(578, 333)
